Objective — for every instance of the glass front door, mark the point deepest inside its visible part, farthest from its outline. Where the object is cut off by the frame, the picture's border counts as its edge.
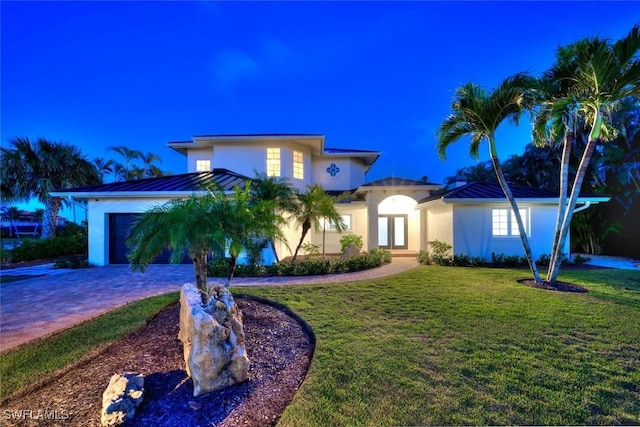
(392, 231)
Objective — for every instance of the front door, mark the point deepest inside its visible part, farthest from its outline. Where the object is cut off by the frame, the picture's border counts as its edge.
(392, 231)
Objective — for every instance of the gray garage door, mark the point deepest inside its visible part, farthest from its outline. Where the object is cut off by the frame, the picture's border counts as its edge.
(119, 225)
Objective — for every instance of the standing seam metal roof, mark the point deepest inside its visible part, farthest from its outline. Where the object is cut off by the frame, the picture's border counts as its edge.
(189, 182)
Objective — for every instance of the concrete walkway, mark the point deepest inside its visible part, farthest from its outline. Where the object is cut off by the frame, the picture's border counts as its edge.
(37, 307)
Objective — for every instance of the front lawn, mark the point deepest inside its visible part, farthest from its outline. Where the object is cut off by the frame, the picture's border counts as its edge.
(445, 346)
(451, 346)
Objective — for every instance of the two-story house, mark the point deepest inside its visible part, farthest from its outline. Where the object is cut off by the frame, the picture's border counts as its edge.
(399, 214)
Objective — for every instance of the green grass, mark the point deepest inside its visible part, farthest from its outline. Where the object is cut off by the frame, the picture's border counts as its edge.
(451, 346)
(31, 362)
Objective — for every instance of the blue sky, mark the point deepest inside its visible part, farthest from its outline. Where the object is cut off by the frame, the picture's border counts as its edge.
(368, 75)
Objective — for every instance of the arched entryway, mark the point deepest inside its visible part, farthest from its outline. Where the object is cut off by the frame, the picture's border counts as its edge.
(396, 218)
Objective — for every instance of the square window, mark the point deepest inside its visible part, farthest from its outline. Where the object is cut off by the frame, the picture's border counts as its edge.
(499, 221)
(203, 165)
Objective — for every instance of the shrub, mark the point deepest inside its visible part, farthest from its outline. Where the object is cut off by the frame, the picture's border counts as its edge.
(74, 261)
(440, 252)
(310, 249)
(544, 260)
(579, 259)
(30, 249)
(424, 257)
(383, 255)
(346, 239)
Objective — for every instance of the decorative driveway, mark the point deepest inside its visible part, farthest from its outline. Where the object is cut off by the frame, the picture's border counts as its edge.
(39, 306)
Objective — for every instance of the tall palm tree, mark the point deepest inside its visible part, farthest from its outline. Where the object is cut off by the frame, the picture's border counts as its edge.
(149, 170)
(592, 77)
(312, 207)
(124, 171)
(198, 226)
(33, 169)
(477, 114)
(104, 167)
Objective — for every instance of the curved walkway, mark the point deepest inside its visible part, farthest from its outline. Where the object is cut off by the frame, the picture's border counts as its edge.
(37, 307)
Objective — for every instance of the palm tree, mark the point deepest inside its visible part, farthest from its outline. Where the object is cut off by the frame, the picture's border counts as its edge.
(124, 171)
(276, 189)
(13, 214)
(198, 226)
(478, 114)
(592, 77)
(33, 169)
(103, 167)
(312, 207)
(149, 170)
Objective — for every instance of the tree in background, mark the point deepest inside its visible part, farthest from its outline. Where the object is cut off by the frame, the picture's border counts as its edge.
(312, 207)
(477, 114)
(103, 167)
(135, 164)
(34, 169)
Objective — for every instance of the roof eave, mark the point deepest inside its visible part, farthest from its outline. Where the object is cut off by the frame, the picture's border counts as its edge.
(129, 194)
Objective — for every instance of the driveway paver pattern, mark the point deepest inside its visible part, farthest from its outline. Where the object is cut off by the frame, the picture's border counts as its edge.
(40, 306)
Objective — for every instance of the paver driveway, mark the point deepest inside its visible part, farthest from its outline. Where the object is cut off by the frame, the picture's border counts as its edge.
(33, 308)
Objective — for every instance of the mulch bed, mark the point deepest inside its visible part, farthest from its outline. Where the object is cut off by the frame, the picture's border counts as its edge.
(555, 286)
(280, 348)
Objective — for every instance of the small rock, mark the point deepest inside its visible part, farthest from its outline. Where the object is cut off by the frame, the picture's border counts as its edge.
(350, 251)
(121, 398)
(194, 405)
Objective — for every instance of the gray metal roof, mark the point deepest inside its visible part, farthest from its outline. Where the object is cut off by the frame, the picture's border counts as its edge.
(490, 190)
(396, 182)
(188, 182)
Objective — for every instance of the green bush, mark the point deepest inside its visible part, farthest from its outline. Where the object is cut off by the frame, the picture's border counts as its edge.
(30, 249)
(310, 249)
(74, 261)
(304, 267)
(579, 259)
(347, 239)
(423, 257)
(440, 252)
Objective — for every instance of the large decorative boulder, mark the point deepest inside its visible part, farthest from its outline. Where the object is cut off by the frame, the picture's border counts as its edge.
(351, 251)
(121, 398)
(213, 339)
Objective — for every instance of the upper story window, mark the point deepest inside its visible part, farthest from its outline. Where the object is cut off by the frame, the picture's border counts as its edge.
(273, 161)
(203, 165)
(298, 165)
(503, 222)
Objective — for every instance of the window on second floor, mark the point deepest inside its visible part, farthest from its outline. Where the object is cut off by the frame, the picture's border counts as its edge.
(503, 222)
(273, 161)
(203, 165)
(298, 165)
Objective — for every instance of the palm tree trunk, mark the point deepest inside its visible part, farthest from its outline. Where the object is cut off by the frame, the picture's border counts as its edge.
(200, 267)
(50, 220)
(232, 269)
(514, 207)
(562, 197)
(305, 229)
(573, 199)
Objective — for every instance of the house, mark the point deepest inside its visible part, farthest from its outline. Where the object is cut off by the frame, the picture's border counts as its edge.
(398, 214)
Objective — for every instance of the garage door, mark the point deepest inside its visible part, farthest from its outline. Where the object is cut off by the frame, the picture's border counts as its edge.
(119, 225)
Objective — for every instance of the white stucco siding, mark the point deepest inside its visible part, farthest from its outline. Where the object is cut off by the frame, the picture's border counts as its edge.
(440, 224)
(473, 231)
(242, 159)
(344, 175)
(195, 154)
(98, 219)
(359, 223)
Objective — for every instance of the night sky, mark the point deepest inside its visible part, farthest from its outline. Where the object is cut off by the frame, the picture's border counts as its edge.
(368, 75)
